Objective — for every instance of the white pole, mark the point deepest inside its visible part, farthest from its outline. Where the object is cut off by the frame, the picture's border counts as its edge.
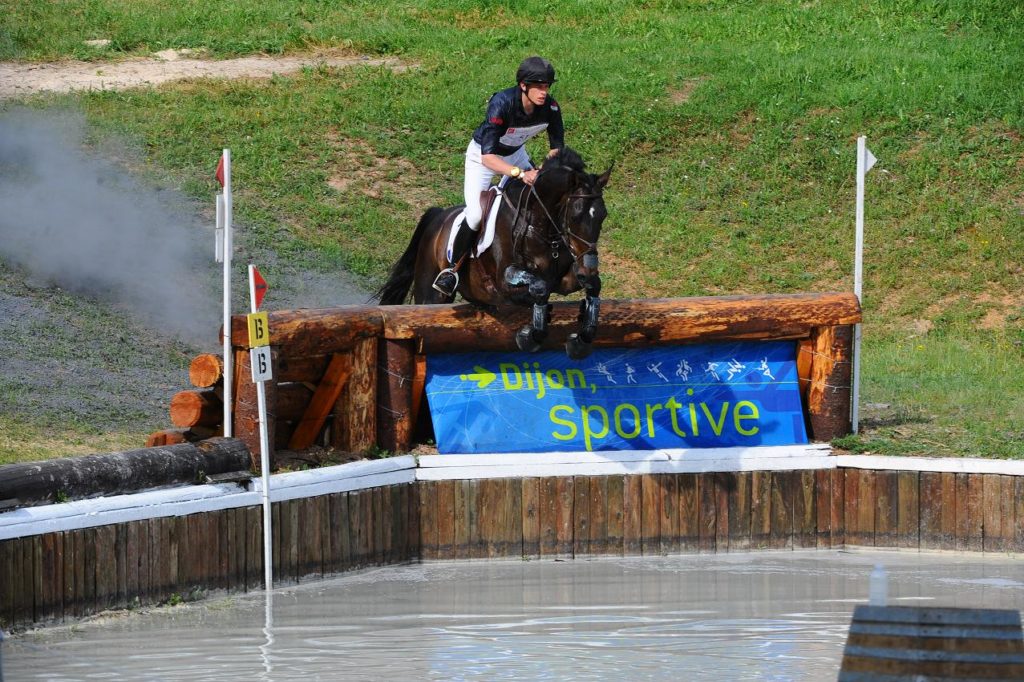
(261, 404)
(228, 364)
(218, 251)
(858, 278)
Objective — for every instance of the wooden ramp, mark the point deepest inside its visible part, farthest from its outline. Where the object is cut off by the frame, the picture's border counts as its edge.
(919, 644)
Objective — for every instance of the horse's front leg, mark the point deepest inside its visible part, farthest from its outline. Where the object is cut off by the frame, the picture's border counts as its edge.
(579, 344)
(531, 336)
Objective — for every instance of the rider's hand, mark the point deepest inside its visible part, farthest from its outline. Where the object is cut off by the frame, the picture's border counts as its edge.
(530, 176)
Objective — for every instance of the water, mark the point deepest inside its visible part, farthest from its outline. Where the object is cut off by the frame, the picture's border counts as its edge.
(745, 616)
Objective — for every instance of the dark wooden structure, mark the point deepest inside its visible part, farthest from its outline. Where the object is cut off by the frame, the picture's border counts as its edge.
(931, 643)
(73, 478)
(353, 375)
(64, 575)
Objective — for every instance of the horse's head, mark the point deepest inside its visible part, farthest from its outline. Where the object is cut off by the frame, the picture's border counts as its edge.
(577, 202)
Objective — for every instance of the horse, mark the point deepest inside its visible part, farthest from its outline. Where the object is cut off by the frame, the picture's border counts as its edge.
(545, 242)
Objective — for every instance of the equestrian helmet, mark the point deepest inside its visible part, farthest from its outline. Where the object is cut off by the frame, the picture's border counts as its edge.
(535, 70)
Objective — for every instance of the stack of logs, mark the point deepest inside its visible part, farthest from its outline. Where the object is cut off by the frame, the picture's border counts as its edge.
(196, 414)
(315, 398)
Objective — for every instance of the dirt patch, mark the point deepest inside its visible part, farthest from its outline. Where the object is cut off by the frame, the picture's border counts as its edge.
(682, 94)
(25, 79)
(376, 175)
(628, 278)
(1000, 306)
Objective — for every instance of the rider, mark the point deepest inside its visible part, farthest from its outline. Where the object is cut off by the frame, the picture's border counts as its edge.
(514, 116)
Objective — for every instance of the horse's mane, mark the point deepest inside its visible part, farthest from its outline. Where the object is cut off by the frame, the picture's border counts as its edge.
(567, 158)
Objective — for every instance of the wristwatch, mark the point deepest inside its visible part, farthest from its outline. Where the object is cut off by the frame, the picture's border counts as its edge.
(516, 171)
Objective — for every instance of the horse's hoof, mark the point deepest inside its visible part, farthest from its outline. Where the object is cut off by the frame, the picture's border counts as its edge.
(525, 340)
(576, 348)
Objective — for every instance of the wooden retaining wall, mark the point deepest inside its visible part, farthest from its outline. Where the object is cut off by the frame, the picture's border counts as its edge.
(65, 575)
(662, 514)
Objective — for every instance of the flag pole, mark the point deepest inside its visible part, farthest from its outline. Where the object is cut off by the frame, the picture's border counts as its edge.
(228, 364)
(858, 276)
(261, 405)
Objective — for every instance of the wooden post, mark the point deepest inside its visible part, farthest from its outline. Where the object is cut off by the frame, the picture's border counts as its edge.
(247, 416)
(355, 413)
(828, 397)
(394, 408)
(920, 642)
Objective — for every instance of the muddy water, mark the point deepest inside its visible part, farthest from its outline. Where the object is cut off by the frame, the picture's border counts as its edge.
(763, 616)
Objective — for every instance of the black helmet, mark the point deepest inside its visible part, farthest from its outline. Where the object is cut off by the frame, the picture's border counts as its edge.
(535, 70)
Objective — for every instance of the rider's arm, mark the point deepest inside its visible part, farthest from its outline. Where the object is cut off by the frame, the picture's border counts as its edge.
(556, 130)
(499, 165)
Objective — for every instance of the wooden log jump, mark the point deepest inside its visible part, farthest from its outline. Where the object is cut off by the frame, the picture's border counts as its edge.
(70, 478)
(373, 400)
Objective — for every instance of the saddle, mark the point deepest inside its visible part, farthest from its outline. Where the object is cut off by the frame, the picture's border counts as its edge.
(487, 198)
(489, 206)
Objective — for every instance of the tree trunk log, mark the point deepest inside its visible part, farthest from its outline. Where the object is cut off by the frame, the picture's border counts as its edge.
(627, 323)
(246, 412)
(623, 323)
(180, 435)
(205, 370)
(196, 408)
(167, 437)
(355, 414)
(303, 333)
(829, 394)
(118, 473)
(394, 412)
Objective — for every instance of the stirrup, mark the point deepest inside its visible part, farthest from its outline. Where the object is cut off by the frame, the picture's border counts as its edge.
(438, 286)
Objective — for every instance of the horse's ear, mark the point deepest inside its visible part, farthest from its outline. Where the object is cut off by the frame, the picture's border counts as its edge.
(602, 180)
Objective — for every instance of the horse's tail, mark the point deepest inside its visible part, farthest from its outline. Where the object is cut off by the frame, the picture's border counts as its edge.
(396, 288)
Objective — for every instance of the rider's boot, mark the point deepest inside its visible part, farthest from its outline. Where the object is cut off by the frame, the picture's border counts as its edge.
(448, 279)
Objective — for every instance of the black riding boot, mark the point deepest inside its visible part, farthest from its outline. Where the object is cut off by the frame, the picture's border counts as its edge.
(448, 279)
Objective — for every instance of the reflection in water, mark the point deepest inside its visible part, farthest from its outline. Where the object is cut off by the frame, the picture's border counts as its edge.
(749, 616)
(268, 633)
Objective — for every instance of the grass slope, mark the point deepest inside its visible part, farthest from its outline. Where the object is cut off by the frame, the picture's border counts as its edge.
(732, 126)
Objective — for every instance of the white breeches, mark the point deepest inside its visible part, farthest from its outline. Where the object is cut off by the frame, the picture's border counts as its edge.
(479, 177)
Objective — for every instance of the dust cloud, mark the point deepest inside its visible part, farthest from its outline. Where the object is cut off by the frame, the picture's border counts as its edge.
(74, 219)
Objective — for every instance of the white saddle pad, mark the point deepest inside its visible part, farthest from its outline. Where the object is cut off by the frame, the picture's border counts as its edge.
(488, 237)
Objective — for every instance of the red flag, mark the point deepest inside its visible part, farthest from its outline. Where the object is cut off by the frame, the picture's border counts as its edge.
(259, 287)
(220, 171)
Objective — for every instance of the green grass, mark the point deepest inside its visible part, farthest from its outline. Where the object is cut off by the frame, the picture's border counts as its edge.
(732, 124)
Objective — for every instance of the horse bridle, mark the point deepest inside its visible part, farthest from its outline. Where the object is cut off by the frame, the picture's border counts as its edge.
(564, 232)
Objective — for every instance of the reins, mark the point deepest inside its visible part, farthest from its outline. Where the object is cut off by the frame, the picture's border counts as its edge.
(562, 232)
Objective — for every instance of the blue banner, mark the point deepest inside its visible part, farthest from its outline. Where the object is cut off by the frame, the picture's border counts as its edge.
(702, 396)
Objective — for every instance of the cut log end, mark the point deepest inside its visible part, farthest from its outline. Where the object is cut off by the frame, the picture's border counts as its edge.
(206, 370)
(196, 408)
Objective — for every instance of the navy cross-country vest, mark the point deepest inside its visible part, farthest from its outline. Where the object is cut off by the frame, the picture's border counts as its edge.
(507, 126)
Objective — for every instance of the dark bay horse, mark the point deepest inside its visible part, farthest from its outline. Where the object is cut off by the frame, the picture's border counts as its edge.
(545, 242)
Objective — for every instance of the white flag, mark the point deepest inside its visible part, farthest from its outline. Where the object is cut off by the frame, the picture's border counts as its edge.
(869, 159)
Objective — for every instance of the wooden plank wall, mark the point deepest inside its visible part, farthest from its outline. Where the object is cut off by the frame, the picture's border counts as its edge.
(66, 575)
(565, 517)
(659, 514)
